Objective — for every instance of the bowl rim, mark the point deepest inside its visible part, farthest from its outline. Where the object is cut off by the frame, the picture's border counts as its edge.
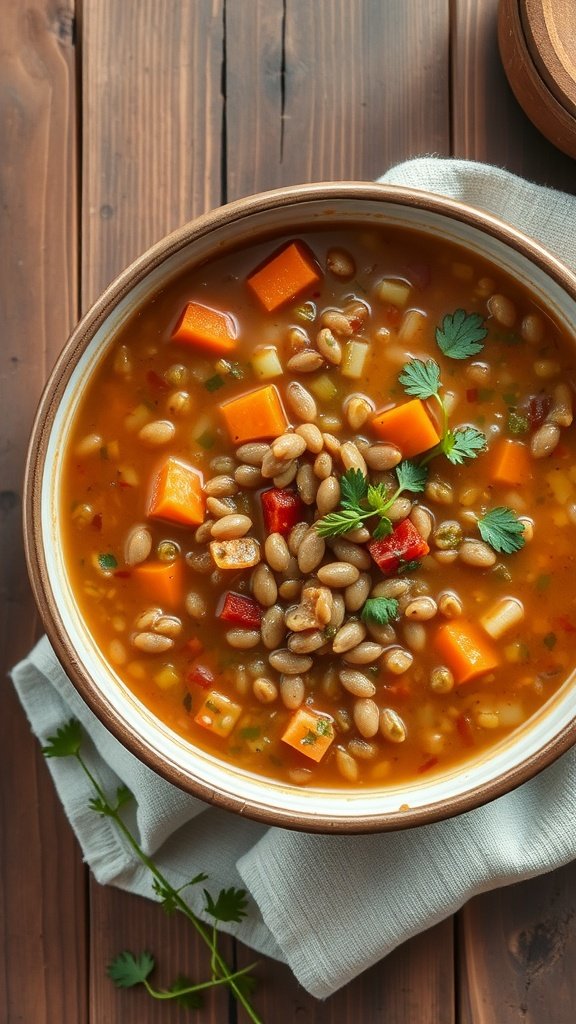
(116, 291)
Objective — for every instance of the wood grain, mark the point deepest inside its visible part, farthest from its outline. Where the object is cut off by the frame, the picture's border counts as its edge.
(42, 881)
(487, 122)
(328, 90)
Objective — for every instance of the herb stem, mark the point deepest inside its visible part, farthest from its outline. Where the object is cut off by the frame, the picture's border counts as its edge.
(162, 994)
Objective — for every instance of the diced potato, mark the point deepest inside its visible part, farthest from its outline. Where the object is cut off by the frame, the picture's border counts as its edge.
(218, 714)
(323, 388)
(502, 616)
(235, 554)
(354, 359)
(561, 486)
(167, 677)
(266, 363)
(412, 328)
(393, 291)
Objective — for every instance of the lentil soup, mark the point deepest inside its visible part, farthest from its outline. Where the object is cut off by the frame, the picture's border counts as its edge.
(319, 506)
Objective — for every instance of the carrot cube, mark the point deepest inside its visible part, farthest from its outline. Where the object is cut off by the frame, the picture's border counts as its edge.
(309, 733)
(206, 328)
(408, 426)
(289, 273)
(177, 494)
(466, 652)
(511, 463)
(162, 582)
(255, 415)
(218, 714)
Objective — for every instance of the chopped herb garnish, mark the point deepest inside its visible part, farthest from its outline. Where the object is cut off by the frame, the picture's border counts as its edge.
(306, 312)
(549, 641)
(211, 706)
(543, 582)
(411, 566)
(206, 439)
(518, 423)
(361, 500)
(461, 334)
(250, 732)
(309, 738)
(323, 727)
(502, 530)
(421, 378)
(107, 562)
(215, 382)
(380, 610)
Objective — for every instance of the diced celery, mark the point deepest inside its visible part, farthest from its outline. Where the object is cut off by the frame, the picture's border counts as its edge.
(502, 616)
(323, 388)
(354, 359)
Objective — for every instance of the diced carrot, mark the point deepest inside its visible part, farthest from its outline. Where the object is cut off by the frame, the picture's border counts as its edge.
(466, 652)
(309, 733)
(218, 714)
(177, 494)
(162, 582)
(408, 426)
(511, 463)
(282, 278)
(255, 415)
(206, 328)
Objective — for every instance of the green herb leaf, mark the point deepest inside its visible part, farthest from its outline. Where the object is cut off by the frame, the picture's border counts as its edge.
(412, 565)
(461, 334)
(353, 488)
(517, 423)
(214, 383)
(250, 732)
(549, 641)
(377, 498)
(380, 610)
(66, 742)
(230, 904)
(411, 476)
(463, 443)
(421, 378)
(502, 530)
(107, 562)
(127, 970)
(324, 727)
(180, 989)
(334, 524)
(383, 529)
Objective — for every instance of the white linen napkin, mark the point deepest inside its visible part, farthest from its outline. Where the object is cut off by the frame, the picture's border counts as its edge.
(307, 907)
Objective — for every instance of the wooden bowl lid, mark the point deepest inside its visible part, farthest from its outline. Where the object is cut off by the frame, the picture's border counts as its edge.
(550, 30)
(535, 38)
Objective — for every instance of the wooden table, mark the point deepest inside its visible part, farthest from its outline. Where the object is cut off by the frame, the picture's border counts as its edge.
(119, 121)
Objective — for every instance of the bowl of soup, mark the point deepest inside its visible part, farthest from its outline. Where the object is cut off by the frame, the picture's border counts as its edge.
(300, 507)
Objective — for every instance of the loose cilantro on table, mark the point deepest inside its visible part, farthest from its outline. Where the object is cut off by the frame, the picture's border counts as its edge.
(502, 530)
(421, 378)
(461, 334)
(361, 501)
(128, 970)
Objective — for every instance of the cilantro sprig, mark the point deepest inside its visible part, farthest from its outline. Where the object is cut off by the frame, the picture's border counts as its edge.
(461, 334)
(502, 530)
(421, 378)
(380, 610)
(360, 501)
(128, 970)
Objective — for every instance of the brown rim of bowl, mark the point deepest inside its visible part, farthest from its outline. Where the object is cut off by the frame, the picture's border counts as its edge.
(37, 568)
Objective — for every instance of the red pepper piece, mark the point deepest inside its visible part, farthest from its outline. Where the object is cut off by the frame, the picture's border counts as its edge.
(471, 394)
(404, 544)
(282, 509)
(200, 676)
(244, 611)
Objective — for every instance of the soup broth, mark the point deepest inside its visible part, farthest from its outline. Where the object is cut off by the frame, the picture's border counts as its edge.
(319, 506)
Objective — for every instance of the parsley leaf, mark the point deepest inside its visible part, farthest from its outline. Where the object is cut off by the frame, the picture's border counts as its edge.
(383, 529)
(461, 334)
(463, 443)
(353, 488)
(420, 378)
(376, 497)
(107, 562)
(230, 904)
(502, 530)
(127, 970)
(411, 476)
(214, 383)
(334, 524)
(66, 742)
(380, 610)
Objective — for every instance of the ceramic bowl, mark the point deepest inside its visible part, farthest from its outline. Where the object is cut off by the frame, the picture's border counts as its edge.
(489, 775)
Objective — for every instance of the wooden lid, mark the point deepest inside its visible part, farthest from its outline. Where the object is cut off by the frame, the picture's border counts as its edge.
(537, 41)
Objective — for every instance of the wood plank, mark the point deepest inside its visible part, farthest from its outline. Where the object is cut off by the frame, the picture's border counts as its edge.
(152, 125)
(414, 983)
(488, 124)
(518, 948)
(42, 880)
(326, 90)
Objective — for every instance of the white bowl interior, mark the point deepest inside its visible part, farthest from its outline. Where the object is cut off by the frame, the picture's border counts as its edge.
(193, 767)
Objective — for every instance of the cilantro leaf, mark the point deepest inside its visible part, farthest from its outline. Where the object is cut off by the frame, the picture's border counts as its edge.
(66, 742)
(383, 529)
(107, 561)
(127, 970)
(353, 488)
(420, 378)
(334, 524)
(461, 334)
(377, 497)
(411, 476)
(214, 383)
(502, 530)
(380, 610)
(463, 443)
(230, 904)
